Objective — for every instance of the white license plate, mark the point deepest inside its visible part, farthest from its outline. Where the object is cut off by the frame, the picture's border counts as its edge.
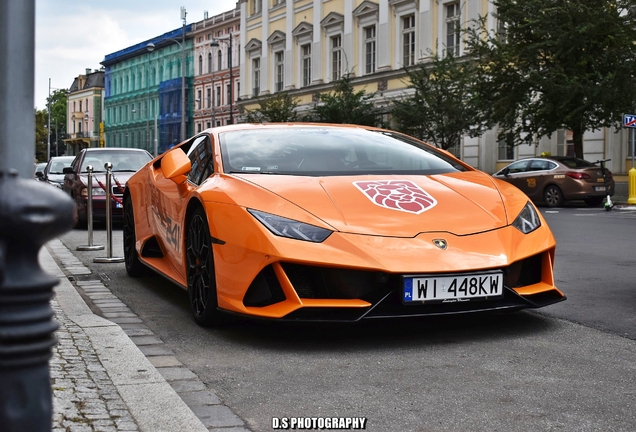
(599, 188)
(453, 288)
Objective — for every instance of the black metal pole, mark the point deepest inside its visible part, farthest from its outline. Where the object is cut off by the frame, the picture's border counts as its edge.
(31, 213)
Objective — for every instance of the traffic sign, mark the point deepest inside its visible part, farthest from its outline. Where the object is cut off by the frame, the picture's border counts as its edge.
(629, 120)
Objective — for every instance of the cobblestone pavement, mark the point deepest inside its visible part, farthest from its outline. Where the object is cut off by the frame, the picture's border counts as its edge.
(84, 397)
(109, 372)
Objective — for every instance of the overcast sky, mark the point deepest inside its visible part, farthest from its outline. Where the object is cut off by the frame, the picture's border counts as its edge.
(71, 36)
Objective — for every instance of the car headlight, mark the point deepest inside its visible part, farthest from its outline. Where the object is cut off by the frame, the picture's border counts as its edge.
(528, 220)
(290, 228)
(96, 191)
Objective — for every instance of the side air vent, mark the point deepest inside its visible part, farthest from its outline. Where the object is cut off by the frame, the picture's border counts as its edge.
(151, 249)
(265, 290)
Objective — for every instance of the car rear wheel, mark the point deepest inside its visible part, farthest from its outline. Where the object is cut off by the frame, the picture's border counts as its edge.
(594, 201)
(553, 196)
(134, 267)
(200, 272)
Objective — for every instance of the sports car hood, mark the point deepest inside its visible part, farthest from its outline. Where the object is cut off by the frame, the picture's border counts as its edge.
(397, 206)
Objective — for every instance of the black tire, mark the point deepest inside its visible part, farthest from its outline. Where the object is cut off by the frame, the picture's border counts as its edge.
(200, 272)
(552, 196)
(594, 201)
(134, 266)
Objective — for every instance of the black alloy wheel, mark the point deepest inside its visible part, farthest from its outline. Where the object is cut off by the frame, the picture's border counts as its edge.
(200, 272)
(553, 196)
(134, 267)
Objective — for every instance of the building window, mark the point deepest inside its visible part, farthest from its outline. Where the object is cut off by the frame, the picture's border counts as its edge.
(199, 104)
(506, 147)
(279, 63)
(305, 51)
(218, 95)
(257, 5)
(256, 76)
(369, 49)
(228, 93)
(408, 40)
(336, 57)
(219, 57)
(453, 28)
(200, 65)
(228, 57)
(209, 97)
(209, 62)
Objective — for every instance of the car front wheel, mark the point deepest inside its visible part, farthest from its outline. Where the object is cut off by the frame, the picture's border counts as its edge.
(134, 267)
(553, 196)
(200, 272)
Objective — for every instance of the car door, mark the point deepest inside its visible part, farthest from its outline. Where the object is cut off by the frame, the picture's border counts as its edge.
(169, 200)
(539, 175)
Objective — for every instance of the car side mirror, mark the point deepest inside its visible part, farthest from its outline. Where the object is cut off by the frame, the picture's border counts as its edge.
(68, 170)
(505, 171)
(39, 175)
(176, 166)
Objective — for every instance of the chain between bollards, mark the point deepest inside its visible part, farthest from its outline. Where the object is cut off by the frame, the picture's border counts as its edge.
(89, 214)
(109, 222)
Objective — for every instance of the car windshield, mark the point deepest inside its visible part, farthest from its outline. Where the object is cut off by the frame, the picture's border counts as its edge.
(59, 163)
(327, 151)
(122, 160)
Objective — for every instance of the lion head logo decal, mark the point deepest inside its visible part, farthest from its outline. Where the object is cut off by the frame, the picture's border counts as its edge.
(402, 195)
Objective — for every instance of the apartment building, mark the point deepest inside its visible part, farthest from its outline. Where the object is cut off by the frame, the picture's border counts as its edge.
(84, 112)
(216, 72)
(303, 46)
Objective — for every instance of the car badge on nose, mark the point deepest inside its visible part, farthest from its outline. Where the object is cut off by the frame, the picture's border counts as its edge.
(440, 243)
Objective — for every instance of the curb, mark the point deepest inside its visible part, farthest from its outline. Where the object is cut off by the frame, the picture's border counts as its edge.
(153, 403)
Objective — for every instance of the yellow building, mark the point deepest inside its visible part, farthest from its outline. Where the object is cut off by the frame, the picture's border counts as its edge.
(303, 46)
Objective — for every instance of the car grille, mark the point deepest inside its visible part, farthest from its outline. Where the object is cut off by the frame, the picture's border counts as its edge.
(383, 292)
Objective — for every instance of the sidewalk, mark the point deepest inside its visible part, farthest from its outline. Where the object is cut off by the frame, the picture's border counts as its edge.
(101, 380)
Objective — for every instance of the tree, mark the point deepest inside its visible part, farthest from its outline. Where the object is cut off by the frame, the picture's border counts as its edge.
(41, 118)
(443, 107)
(556, 64)
(277, 108)
(58, 106)
(344, 105)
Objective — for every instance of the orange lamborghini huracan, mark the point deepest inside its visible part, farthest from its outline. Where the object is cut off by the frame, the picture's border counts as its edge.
(316, 222)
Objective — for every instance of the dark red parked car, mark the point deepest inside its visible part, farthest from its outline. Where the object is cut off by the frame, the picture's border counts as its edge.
(126, 161)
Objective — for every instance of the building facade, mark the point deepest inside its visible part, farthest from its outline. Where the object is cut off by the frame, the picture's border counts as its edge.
(85, 112)
(303, 46)
(143, 88)
(216, 84)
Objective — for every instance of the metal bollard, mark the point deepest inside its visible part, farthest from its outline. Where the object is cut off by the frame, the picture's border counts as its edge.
(109, 223)
(89, 214)
(31, 214)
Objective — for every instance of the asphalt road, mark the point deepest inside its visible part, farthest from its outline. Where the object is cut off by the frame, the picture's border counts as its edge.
(567, 367)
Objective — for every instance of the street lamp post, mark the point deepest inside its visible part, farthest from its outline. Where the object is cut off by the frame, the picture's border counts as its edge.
(215, 43)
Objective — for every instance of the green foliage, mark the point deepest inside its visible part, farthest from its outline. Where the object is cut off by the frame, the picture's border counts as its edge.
(558, 64)
(277, 108)
(344, 105)
(443, 106)
(41, 139)
(57, 102)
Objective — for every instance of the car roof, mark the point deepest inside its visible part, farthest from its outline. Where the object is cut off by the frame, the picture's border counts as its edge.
(92, 149)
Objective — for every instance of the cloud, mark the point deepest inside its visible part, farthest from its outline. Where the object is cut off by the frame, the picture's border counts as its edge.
(71, 36)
